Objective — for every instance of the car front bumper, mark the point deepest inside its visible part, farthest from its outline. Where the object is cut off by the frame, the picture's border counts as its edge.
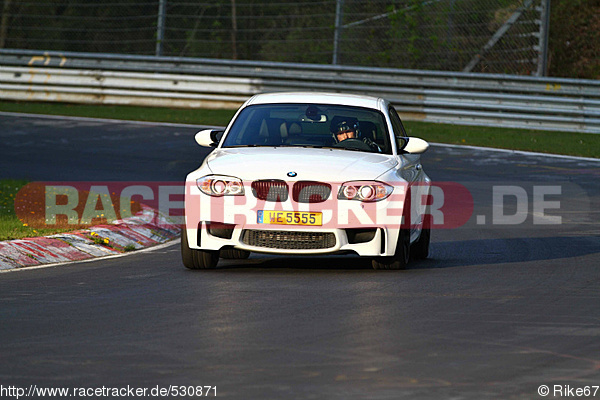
(372, 241)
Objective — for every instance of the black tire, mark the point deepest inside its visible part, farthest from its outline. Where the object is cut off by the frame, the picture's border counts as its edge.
(400, 259)
(197, 259)
(187, 256)
(420, 249)
(234, 254)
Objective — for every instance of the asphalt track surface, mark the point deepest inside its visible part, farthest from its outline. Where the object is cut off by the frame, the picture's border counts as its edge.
(495, 312)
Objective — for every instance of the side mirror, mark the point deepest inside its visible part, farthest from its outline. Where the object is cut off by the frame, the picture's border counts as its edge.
(412, 145)
(208, 137)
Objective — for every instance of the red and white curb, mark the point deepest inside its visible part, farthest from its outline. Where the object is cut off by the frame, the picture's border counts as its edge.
(147, 228)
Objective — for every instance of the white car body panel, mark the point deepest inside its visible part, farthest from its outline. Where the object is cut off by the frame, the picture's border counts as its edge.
(340, 165)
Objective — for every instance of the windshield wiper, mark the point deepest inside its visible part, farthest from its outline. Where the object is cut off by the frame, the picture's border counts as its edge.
(308, 146)
(351, 149)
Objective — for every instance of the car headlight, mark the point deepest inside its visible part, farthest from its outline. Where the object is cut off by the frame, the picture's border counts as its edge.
(367, 191)
(220, 185)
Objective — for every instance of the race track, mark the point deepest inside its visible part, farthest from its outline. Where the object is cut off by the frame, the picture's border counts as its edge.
(496, 312)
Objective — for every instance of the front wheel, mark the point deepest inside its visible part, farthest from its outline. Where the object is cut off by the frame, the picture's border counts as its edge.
(400, 259)
(197, 259)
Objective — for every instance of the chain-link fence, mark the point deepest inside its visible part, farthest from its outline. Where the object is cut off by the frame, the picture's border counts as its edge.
(497, 36)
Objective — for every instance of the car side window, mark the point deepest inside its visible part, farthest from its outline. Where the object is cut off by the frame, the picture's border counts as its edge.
(396, 123)
(399, 132)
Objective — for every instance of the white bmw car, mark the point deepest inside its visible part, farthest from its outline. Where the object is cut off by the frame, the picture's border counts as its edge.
(309, 174)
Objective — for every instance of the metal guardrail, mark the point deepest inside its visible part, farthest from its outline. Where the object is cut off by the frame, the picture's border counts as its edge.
(448, 97)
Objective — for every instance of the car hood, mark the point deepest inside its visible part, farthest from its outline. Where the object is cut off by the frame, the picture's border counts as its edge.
(331, 165)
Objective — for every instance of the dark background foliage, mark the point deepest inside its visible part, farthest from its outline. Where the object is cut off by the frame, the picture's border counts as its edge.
(575, 39)
(415, 34)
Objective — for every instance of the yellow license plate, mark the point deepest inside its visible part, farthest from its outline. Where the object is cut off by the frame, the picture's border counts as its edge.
(290, 218)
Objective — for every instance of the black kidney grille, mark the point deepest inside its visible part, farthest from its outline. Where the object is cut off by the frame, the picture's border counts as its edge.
(288, 240)
(270, 190)
(311, 192)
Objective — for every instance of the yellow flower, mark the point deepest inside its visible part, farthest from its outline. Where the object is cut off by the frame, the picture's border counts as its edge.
(106, 240)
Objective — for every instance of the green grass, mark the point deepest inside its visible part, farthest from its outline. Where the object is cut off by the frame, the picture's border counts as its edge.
(22, 212)
(568, 143)
(152, 114)
(11, 227)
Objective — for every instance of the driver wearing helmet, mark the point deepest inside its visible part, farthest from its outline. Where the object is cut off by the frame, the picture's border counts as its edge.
(351, 130)
(345, 130)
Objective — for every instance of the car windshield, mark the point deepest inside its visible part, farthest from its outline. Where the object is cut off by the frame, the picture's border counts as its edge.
(310, 125)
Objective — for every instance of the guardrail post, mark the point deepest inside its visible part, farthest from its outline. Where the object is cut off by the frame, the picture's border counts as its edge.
(234, 54)
(338, 28)
(160, 29)
(542, 69)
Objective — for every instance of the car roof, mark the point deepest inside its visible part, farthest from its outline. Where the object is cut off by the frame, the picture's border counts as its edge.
(316, 98)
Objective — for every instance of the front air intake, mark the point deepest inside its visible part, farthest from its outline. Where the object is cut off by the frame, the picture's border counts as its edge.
(270, 190)
(311, 192)
(287, 240)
